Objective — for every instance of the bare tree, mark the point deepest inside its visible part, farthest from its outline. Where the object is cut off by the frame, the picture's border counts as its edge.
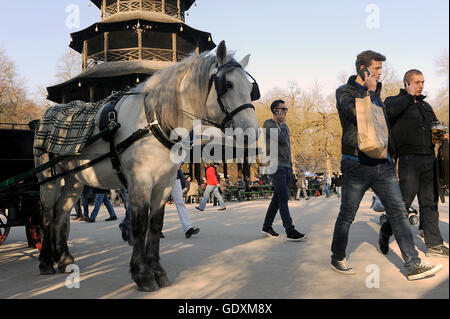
(441, 103)
(69, 65)
(14, 105)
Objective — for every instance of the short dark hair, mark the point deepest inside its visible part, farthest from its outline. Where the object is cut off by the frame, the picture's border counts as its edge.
(366, 57)
(275, 104)
(410, 73)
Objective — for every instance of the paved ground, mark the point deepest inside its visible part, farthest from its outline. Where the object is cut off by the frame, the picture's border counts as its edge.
(230, 258)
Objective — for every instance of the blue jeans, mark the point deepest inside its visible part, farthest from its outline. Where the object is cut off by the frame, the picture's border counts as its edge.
(327, 190)
(125, 224)
(85, 204)
(99, 199)
(211, 189)
(280, 181)
(356, 179)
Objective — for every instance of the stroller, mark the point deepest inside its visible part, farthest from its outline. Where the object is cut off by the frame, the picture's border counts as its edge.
(377, 206)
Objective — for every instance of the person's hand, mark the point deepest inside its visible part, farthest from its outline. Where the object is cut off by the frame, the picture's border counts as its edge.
(371, 82)
(280, 116)
(411, 88)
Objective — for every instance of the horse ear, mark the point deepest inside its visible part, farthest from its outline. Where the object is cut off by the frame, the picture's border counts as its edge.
(222, 52)
(244, 61)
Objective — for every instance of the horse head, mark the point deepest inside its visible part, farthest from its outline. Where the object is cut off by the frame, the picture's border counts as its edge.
(232, 91)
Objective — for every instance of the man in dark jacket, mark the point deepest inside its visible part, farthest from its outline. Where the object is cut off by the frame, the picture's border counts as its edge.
(411, 119)
(281, 176)
(359, 172)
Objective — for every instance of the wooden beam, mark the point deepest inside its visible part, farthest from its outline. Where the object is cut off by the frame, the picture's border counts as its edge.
(141, 5)
(103, 9)
(179, 9)
(140, 43)
(91, 94)
(85, 48)
(118, 6)
(106, 45)
(174, 46)
(163, 6)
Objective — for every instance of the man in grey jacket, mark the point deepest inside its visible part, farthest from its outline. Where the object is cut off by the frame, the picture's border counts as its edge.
(281, 177)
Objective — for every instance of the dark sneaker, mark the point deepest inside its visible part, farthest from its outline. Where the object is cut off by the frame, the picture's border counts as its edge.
(199, 209)
(89, 220)
(439, 251)
(383, 243)
(342, 266)
(423, 270)
(294, 235)
(270, 232)
(192, 231)
(162, 235)
(111, 218)
(222, 209)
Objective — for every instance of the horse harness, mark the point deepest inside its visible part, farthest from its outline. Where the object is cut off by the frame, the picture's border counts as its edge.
(109, 119)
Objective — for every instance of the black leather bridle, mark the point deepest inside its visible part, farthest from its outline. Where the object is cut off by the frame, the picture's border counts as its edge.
(222, 85)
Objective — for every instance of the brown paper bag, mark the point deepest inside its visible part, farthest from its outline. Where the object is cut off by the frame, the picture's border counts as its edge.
(373, 134)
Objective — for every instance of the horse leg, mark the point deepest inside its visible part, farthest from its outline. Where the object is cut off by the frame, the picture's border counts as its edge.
(139, 269)
(48, 193)
(152, 254)
(71, 193)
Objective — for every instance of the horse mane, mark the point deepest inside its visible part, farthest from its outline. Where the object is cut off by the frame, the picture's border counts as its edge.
(163, 89)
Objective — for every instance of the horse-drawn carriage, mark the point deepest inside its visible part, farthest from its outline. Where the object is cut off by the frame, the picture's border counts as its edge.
(19, 202)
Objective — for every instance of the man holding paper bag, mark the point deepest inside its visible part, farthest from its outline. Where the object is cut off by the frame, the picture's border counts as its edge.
(366, 164)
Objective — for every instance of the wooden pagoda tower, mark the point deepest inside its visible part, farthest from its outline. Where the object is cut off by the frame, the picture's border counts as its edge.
(133, 40)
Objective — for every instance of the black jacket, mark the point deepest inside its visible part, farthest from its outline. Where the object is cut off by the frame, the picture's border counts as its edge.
(345, 103)
(182, 178)
(410, 124)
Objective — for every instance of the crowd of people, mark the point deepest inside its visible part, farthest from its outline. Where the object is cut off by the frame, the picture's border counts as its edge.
(404, 138)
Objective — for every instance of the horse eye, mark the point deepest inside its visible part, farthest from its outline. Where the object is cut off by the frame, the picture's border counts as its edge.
(229, 85)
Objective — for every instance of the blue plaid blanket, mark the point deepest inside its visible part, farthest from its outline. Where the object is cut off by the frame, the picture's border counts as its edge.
(65, 128)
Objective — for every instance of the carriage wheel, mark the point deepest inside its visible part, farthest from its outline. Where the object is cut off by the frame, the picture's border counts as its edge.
(4, 230)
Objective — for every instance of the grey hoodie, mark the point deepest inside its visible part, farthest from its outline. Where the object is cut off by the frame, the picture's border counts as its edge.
(284, 144)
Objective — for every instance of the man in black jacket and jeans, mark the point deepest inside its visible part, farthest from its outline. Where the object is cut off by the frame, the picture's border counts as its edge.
(359, 172)
(411, 119)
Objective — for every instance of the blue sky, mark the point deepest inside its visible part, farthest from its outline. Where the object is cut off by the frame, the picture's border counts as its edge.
(290, 40)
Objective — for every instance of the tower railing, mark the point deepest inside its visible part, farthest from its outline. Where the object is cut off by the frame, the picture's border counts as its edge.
(133, 54)
(146, 5)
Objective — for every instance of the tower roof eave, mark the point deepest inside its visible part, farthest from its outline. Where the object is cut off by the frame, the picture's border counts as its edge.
(106, 71)
(204, 39)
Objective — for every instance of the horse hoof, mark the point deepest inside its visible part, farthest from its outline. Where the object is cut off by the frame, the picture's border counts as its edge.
(62, 265)
(162, 280)
(146, 284)
(46, 269)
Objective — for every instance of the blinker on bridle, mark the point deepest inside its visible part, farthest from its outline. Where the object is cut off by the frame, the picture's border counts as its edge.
(222, 86)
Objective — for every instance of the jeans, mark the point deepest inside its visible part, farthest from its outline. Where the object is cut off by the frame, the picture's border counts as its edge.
(356, 179)
(416, 173)
(83, 201)
(280, 199)
(338, 191)
(211, 189)
(327, 190)
(99, 199)
(183, 214)
(126, 222)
